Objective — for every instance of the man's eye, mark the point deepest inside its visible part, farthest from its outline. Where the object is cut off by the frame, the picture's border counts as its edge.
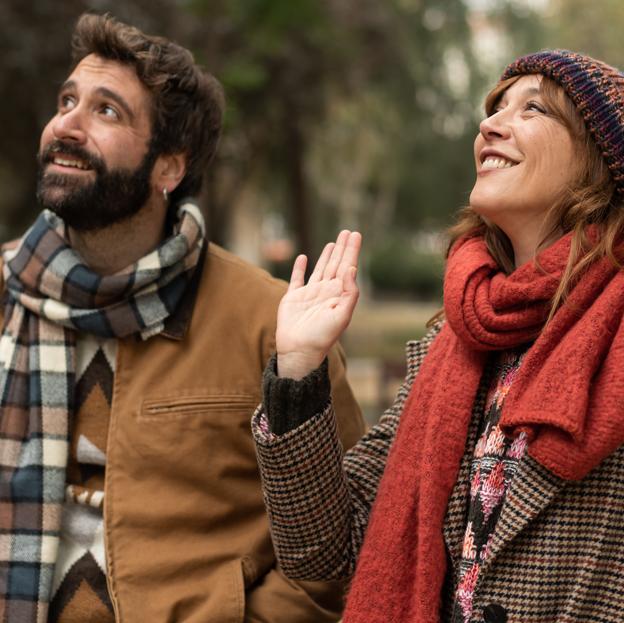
(66, 102)
(110, 112)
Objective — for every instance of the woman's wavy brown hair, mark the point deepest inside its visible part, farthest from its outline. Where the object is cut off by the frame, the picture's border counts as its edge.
(591, 201)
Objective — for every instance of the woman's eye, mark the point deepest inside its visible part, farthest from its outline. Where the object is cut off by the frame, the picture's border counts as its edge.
(536, 107)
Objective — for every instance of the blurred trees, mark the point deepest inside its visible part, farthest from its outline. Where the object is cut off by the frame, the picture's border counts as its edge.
(354, 113)
(342, 113)
(595, 29)
(338, 109)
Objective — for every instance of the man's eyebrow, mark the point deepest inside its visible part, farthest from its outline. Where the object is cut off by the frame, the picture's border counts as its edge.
(67, 86)
(117, 99)
(105, 92)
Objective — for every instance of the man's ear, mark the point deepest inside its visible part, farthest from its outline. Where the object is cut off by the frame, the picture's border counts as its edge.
(169, 169)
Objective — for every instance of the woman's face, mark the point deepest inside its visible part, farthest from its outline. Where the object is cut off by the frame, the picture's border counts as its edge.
(524, 159)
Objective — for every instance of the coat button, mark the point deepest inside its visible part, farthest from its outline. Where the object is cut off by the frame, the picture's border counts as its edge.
(494, 613)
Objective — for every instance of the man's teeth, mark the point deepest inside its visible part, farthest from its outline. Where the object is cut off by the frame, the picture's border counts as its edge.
(77, 164)
(496, 163)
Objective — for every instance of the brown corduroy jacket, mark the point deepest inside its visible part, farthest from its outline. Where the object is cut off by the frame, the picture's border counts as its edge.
(187, 537)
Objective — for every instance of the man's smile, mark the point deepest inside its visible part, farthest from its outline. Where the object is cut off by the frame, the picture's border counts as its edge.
(70, 162)
(59, 161)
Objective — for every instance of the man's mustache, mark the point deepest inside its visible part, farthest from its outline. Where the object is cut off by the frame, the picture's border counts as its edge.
(71, 149)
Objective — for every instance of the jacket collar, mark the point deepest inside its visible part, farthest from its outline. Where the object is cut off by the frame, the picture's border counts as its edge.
(177, 324)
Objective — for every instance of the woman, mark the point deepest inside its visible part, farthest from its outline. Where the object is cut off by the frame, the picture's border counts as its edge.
(502, 498)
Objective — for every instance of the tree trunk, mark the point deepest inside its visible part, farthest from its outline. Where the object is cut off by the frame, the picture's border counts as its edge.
(298, 190)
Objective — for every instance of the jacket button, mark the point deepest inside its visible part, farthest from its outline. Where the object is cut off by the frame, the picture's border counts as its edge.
(494, 613)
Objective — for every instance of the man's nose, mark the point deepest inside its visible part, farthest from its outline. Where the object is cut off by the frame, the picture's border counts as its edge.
(69, 126)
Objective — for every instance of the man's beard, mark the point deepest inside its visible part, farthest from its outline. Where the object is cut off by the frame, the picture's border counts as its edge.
(113, 197)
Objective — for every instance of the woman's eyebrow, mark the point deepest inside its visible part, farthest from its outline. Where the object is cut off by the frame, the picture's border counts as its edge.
(523, 94)
(531, 91)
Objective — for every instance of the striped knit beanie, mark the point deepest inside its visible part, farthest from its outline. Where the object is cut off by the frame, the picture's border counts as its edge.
(596, 89)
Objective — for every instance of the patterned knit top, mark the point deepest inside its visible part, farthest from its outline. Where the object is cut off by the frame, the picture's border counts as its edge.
(79, 589)
(493, 467)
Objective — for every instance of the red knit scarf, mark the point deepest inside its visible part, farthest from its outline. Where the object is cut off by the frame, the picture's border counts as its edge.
(568, 397)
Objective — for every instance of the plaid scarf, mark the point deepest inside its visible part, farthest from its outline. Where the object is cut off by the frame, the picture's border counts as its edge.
(53, 294)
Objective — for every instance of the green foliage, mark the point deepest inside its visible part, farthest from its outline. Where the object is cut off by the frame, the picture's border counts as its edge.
(593, 28)
(396, 267)
(340, 114)
(244, 74)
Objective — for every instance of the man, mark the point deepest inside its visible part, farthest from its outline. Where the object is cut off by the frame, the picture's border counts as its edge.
(132, 352)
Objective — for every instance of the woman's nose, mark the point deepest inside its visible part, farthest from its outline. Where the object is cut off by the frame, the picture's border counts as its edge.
(495, 126)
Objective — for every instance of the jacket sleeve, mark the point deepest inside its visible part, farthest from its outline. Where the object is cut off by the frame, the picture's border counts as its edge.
(318, 496)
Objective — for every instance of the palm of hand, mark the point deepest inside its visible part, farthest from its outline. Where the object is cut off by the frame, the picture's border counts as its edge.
(312, 317)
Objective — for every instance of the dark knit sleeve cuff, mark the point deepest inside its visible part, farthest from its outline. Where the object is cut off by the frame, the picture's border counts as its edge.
(288, 403)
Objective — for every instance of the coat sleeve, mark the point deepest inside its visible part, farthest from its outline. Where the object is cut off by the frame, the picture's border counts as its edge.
(349, 420)
(318, 496)
(272, 596)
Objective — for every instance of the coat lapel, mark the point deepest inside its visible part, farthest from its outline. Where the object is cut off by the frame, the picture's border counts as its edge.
(532, 490)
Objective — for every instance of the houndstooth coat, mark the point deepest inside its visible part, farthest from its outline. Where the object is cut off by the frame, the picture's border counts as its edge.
(557, 554)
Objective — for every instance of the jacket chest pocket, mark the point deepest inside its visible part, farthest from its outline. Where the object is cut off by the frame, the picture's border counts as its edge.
(207, 435)
(213, 407)
(193, 454)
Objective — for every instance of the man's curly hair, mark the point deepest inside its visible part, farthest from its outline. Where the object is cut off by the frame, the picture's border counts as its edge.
(187, 102)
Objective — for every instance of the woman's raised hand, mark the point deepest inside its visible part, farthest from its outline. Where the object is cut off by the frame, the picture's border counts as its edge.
(312, 316)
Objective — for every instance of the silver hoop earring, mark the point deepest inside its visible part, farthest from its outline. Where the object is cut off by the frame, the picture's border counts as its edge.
(165, 195)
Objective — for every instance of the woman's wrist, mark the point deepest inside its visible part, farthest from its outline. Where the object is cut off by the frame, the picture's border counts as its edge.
(288, 403)
(298, 365)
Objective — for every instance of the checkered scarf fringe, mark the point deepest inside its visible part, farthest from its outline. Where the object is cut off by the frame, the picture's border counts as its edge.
(51, 295)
